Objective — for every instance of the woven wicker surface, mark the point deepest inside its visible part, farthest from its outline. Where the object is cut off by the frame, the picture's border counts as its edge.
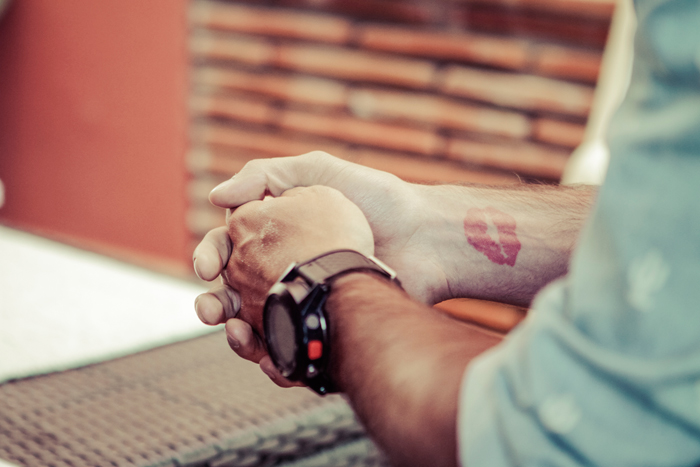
(191, 403)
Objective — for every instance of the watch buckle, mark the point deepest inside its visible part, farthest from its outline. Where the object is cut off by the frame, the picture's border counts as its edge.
(383, 265)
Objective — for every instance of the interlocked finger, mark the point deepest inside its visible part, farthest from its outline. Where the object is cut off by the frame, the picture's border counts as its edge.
(218, 305)
(244, 340)
(273, 373)
(212, 254)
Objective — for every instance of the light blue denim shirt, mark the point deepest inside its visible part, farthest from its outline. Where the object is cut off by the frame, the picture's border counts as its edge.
(606, 369)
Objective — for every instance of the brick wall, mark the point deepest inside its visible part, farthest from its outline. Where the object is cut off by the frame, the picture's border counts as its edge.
(483, 91)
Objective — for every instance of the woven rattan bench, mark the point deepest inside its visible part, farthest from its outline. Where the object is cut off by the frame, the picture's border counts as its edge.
(192, 403)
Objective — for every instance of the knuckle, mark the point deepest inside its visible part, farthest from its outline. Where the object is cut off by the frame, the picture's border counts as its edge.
(252, 165)
(317, 158)
(317, 155)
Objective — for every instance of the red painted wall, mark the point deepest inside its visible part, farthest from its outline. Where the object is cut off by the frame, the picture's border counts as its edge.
(93, 123)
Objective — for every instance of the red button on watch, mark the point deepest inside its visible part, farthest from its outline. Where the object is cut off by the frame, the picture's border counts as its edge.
(315, 350)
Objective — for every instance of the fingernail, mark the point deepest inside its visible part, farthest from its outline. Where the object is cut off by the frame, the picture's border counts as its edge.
(233, 342)
(220, 186)
(194, 263)
(235, 301)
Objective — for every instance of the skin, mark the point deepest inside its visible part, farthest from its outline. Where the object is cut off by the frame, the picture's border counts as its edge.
(270, 234)
(433, 236)
(403, 380)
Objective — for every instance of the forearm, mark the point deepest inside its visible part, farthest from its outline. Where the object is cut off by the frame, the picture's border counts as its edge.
(502, 243)
(401, 364)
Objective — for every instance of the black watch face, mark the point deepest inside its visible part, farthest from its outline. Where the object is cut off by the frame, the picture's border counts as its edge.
(281, 336)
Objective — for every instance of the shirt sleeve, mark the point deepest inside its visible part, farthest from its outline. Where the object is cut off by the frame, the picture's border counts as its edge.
(606, 369)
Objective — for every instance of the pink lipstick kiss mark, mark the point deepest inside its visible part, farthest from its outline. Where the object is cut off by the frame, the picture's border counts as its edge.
(505, 251)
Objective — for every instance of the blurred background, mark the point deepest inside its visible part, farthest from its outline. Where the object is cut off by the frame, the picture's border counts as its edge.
(93, 125)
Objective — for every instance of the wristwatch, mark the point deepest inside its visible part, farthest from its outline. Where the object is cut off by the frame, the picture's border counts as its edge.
(294, 319)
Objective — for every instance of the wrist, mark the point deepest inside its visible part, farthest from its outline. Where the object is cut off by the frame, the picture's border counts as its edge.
(351, 297)
(441, 213)
(503, 244)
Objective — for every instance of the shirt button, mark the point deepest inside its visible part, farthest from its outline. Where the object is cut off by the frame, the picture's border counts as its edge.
(646, 276)
(559, 414)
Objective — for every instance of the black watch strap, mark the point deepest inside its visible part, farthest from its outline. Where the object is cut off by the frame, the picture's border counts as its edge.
(322, 268)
